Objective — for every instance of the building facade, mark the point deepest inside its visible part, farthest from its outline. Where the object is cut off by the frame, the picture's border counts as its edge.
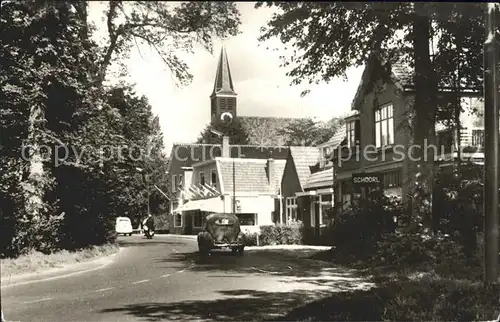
(378, 135)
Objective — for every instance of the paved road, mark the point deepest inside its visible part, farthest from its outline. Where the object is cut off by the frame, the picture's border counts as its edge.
(164, 279)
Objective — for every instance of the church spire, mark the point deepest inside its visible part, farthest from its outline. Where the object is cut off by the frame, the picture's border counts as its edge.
(223, 80)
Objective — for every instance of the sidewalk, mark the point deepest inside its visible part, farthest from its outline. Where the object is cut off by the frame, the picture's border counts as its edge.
(58, 272)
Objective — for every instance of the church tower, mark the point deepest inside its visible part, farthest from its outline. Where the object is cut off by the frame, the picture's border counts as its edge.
(223, 98)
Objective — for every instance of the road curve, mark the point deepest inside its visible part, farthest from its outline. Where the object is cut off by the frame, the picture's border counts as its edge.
(164, 279)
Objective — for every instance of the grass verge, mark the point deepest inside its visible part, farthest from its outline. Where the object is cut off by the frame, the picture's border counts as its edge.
(37, 261)
(405, 294)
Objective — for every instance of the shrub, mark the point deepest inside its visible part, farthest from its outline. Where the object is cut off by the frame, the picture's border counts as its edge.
(288, 234)
(357, 230)
(250, 239)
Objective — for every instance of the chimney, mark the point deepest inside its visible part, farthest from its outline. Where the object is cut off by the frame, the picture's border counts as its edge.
(225, 147)
(270, 172)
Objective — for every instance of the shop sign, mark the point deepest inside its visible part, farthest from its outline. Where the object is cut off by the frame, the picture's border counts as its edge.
(367, 179)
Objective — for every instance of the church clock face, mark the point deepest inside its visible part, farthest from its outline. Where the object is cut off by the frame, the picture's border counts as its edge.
(226, 118)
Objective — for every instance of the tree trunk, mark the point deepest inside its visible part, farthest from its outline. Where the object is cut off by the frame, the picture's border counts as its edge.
(424, 122)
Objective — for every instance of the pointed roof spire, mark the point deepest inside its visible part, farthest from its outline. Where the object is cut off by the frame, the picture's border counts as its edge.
(223, 80)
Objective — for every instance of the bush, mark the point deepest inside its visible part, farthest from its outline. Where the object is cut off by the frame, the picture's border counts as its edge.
(250, 239)
(289, 234)
(161, 222)
(357, 230)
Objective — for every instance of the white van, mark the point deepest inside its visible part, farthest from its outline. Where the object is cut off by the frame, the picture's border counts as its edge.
(124, 226)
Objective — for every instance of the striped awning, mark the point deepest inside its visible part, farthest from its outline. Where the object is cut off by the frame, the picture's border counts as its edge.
(209, 205)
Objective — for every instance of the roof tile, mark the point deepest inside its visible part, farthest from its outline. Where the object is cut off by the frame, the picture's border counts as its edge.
(249, 176)
(304, 158)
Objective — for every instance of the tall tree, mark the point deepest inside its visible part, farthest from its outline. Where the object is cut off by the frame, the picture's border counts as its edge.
(167, 28)
(40, 89)
(309, 132)
(329, 38)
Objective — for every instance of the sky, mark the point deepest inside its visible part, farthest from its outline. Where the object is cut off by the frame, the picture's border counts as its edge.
(262, 86)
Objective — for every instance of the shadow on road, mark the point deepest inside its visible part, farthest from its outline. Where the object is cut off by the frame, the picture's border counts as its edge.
(256, 262)
(240, 305)
(146, 242)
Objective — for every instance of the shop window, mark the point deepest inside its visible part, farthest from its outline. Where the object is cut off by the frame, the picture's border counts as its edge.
(392, 179)
(197, 219)
(247, 219)
(177, 220)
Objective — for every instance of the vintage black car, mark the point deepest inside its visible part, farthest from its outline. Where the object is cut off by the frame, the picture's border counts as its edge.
(221, 231)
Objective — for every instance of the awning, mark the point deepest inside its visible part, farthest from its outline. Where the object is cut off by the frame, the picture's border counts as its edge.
(209, 205)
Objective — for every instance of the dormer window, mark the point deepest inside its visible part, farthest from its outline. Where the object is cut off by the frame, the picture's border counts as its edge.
(353, 132)
(327, 157)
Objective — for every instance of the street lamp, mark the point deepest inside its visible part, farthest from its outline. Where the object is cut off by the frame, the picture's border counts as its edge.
(141, 171)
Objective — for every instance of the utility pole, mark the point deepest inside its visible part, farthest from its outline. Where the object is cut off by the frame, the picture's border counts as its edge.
(234, 190)
(491, 132)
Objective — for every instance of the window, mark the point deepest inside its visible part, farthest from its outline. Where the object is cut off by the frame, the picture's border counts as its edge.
(197, 219)
(345, 190)
(202, 178)
(392, 179)
(180, 183)
(174, 182)
(326, 207)
(247, 219)
(291, 209)
(177, 220)
(477, 137)
(327, 157)
(353, 133)
(213, 181)
(384, 126)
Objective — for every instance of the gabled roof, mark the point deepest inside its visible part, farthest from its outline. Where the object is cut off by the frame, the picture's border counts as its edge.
(187, 154)
(266, 130)
(338, 137)
(304, 158)
(250, 175)
(400, 73)
(223, 81)
(320, 179)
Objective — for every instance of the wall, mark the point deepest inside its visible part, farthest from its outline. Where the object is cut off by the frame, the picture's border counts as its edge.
(290, 182)
(367, 122)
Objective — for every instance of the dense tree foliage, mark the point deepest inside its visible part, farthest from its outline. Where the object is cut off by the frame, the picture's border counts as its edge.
(310, 132)
(167, 28)
(75, 154)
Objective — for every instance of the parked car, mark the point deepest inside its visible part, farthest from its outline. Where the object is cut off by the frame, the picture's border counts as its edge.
(221, 231)
(123, 226)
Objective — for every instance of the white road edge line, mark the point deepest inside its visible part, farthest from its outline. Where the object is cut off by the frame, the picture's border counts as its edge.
(103, 289)
(138, 282)
(166, 275)
(40, 300)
